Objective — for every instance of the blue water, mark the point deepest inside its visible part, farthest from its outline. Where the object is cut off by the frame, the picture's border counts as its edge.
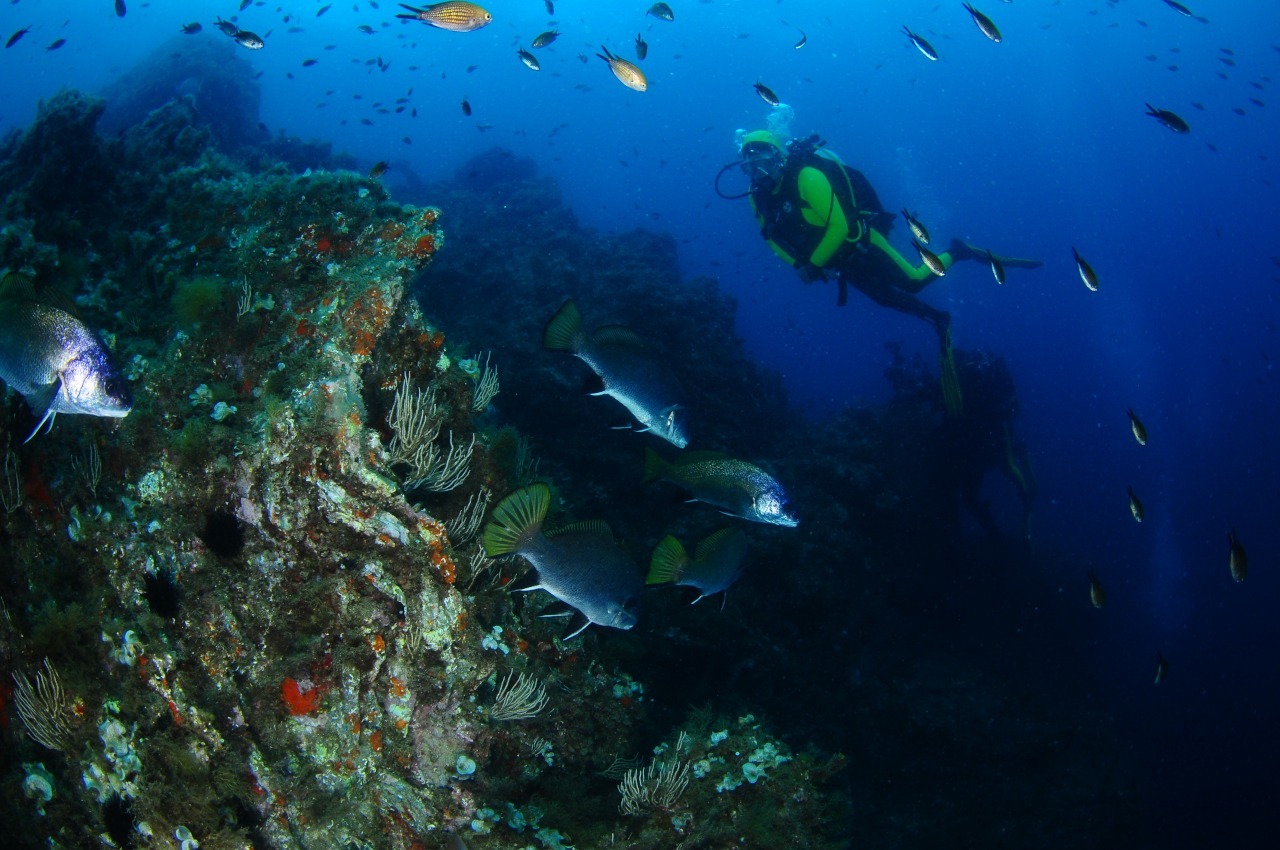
(1031, 146)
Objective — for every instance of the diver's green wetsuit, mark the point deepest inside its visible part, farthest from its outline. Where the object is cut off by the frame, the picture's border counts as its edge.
(805, 222)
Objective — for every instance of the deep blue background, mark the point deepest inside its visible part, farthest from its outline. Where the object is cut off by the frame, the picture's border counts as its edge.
(1030, 146)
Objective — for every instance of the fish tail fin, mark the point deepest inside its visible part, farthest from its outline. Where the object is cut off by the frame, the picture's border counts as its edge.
(654, 466)
(668, 561)
(564, 331)
(516, 519)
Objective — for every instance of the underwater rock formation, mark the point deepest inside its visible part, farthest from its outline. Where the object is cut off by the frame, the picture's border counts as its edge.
(210, 73)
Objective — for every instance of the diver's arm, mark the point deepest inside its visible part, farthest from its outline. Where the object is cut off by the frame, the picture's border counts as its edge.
(822, 208)
(773, 246)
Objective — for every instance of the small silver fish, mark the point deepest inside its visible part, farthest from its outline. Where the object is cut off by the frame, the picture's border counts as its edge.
(804, 39)
(580, 564)
(1086, 271)
(1135, 506)
(917, 229)
(1172, 120)
(1239, 561)
(1096, 594)
(1179, 8)
(1162, 668)
(1139, 430)
(984, 23)
(997, 268)
(530, 61)
(923, 46)
(662, 12)
(244, 38)
(766, 93)
(930, 259)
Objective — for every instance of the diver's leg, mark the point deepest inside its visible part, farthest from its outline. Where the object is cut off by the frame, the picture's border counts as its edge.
(907, 277)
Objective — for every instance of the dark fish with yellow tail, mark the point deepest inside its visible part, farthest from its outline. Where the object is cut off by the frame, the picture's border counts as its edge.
(626, 72)
(930, 259)
(542, 39)
(52, 358)
(715, 566)
(766, 93)
(1139, 430)
(1172, 120)
(1239, 562)
(642, 47)
(1087, 274)
(984, 23)
(1096, 594)
(1162, 668)
(997, 267)
(923, 46)
(736, 487)
(530, 61)
(581, 564)
(453, 15)
(1135, 506)
(629, 373)
(918, 230)
(662, 12)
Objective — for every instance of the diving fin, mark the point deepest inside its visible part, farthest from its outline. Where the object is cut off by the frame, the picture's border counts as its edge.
(973, 252)
(950, 379)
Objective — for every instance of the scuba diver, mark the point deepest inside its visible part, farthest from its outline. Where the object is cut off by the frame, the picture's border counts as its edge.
(824, 218)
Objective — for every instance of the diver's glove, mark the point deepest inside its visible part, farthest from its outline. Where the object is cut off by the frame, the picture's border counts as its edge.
(810, 273)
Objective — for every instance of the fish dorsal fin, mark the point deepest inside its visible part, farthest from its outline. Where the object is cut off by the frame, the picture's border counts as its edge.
(596, 527)
(701, 456)
(617, 335)
(716, 541)
(16, 286)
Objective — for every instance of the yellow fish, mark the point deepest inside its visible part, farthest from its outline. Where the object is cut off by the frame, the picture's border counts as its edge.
(626, 72)
(453, 15)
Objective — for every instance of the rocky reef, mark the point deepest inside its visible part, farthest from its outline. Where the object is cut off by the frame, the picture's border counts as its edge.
(253, 612)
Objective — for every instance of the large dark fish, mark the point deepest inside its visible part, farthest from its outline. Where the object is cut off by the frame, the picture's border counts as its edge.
(738, 488)
(580, 564)
(629, 373)
(16, 37)
(453, 15)
(49, 356)
(716, 563)
(120, 9)
(766, 93)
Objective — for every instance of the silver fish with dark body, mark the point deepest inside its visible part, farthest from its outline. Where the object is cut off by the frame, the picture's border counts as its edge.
(54, 360)
(630, 375)
(715, 566)
(738, 488)
(580, 564)
(253, 41)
